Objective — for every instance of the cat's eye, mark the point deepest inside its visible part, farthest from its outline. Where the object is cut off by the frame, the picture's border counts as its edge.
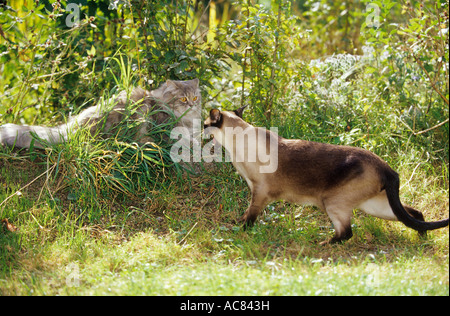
(183, 99)
(195, 99)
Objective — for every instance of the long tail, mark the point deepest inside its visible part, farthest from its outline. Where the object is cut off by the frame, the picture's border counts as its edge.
(22, 136)
(392, 185)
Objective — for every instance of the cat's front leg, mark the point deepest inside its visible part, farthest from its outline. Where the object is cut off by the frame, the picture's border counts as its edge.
(259, 201)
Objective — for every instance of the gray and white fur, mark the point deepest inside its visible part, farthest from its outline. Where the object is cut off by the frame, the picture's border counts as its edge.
(182, 98)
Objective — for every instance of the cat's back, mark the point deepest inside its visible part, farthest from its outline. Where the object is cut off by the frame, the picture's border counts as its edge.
(136, 95)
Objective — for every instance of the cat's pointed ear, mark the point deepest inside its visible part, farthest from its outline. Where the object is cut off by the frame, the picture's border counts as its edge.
(171, 83)
(239, 111)
(196, 82)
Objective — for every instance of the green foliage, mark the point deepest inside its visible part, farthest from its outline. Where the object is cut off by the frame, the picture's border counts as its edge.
(262, 44)
(43, 59)
(255, 58)
(392, 97)
(372, 74)
(332, 26)
(412, 68)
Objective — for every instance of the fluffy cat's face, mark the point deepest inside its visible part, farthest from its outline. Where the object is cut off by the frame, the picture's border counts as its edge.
(183, 97)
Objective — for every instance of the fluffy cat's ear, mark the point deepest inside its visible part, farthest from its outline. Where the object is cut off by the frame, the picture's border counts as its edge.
(171, 83)
(196, 82)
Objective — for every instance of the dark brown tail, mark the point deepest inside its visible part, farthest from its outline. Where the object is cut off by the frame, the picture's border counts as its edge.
(392, 185)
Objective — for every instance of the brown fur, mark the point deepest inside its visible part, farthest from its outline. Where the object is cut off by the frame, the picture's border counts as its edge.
(334, 178)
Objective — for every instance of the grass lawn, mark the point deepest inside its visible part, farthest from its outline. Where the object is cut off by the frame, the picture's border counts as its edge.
(103, 215)
(182, 240)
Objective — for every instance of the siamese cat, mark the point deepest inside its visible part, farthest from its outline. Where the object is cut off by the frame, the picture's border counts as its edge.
(182, 98)
(337, 179)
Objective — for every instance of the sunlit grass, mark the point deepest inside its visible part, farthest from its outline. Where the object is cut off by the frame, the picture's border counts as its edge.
(183, 241)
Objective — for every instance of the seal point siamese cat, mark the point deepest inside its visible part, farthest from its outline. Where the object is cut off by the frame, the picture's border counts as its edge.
(334, 178)
(182, 98)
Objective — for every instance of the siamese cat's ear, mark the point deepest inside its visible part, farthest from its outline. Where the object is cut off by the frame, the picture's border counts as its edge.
(239, 111)
(215, 116)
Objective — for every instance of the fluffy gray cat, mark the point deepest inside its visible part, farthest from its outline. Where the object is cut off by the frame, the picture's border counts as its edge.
(182, 98)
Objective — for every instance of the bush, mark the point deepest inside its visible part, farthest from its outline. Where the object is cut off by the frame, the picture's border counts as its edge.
(394, 92)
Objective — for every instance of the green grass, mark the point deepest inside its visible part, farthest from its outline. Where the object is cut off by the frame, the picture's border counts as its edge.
(106, 216)
(181, 240)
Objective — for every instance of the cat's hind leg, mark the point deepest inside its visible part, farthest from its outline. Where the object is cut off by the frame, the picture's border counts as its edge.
(341, 217)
